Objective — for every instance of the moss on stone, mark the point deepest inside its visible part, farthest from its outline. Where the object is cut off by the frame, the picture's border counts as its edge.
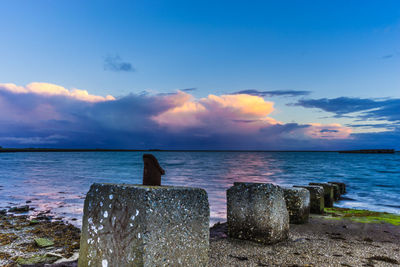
(362, 216)
(44, 242)
(36, 259)
(65, 236)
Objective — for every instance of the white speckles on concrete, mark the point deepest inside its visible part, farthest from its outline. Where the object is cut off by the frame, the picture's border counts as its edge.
(117, 230)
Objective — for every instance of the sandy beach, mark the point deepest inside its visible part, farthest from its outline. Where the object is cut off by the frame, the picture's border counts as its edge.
(323, 241)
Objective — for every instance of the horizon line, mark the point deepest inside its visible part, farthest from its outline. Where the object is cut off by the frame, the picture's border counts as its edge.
(3, 149)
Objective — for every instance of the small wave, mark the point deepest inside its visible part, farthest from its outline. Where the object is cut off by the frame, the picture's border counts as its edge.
(347, 198)
(383, 185)
(385, 171)
(390, 206)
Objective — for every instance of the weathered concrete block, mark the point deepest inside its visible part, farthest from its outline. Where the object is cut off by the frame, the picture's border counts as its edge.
(257, 212)
(328, 193)
(342, 187)
(336, 191)
(317, 202)
(136, 225)
(297, 203)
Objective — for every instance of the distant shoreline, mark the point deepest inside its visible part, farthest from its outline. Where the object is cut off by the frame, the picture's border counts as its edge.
(13, 150)
(5, 150)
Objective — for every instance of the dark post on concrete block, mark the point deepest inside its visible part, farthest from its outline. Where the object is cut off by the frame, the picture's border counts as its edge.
(298, 204)
(342, 187)
(152, 170)
(317, 202)
(257, 212)
(336, 191)
(328, 193)
(137, 225)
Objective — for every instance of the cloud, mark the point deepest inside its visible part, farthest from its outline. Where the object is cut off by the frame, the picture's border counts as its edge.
(374, 125)
(223, 113)
(39, 116)
(48, 89)
(328, 131)
(188, 89)
(340, 105)
(115, 63)
(368, 109)
(289, 93)
(387, 56)
(37, 140)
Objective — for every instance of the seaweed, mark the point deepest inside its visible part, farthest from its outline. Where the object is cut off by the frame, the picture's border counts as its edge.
(362, 216)
(6, 239)
(64, 235)
(4, 256)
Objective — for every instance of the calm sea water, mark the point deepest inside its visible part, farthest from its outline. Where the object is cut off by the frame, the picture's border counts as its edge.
(59, 181)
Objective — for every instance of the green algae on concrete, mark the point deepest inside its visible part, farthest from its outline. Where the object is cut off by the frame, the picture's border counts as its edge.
(362, 216)
(36, 259)
(44, 242)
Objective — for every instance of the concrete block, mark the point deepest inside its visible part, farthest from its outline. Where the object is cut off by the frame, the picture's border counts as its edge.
(257, 212)
(328, 193)
(136, 225)
(317, 202)
(297, 203)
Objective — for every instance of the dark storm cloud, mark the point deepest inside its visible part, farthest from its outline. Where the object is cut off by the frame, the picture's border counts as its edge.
(115, 63)
(369, 109)
(289, 93)
(62, 119)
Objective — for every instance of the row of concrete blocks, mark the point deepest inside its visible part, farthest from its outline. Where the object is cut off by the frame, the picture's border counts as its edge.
(135, 225)
(262, 212)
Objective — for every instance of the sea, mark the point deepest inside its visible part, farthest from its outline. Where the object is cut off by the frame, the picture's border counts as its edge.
(57, 182)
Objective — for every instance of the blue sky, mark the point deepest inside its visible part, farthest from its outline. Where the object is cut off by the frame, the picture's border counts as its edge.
(343, 50)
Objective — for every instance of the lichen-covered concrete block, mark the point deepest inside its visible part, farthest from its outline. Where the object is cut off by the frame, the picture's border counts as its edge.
(136, 225)
(336, 191)
(257, 212)
(328, 193)
(297, 203)
(317, 202)
(342, 187)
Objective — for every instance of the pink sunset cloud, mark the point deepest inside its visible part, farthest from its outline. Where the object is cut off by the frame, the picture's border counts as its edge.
(48, 89)
(224, 113)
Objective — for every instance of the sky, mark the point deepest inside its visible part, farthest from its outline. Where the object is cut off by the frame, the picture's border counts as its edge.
(264, 75)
